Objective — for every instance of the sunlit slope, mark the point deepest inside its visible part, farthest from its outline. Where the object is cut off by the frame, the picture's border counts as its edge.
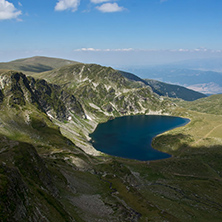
(211, 105)
(205, 127)
(165, 89)
(104, 91)
(39, 64)
(174, 91)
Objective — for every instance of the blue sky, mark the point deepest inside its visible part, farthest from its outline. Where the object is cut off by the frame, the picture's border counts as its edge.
(111, 32)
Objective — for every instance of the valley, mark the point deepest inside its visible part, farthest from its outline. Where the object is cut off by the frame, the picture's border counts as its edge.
(194, 75)
(50, 171)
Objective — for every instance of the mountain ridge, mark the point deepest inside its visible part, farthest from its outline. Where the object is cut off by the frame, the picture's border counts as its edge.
(165, 89)
(35, 64)
(206, 82)
(38, 64)
(104, 83)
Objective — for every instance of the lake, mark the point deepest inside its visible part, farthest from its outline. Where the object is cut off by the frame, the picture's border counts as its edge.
(131, 136)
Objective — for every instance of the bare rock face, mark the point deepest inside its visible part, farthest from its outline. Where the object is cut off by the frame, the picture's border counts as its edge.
(20, 90)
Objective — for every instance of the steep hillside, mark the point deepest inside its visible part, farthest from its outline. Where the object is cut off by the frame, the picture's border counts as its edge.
(17, 89)
(28, 105)
(27, 185)
(207, 82)
(211, 105)
(104, 91)
(164, 89)
(174, 91)
(35, 64)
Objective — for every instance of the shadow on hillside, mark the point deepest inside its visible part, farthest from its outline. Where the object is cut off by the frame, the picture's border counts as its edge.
(185, 156)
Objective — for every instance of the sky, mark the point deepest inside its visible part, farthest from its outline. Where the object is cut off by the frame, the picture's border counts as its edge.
(111, 32)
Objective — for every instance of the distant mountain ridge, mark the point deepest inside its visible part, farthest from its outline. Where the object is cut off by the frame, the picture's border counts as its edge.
(205, 64)
(164, 89)
(35, 64)
(204, 81)
(38, 64)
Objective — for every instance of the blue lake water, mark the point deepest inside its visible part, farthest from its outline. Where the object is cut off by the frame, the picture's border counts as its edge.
(131, 136)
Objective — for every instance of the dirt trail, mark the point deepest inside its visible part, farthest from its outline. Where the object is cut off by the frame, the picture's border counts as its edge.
(208, 134)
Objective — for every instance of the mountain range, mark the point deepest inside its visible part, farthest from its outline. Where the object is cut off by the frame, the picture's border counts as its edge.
(49, 170)
(195, 75)
(34, 65)
(165, 89)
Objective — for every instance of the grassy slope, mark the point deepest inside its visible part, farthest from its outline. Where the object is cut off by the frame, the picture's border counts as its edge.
(35, 64)
(174, 91)
(165, 89)
(211, 105)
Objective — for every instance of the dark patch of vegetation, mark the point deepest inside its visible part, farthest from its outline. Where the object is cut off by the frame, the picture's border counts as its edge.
(133, 77)
(1, 96)
(17, 97)
(27, 185)
(174, 91)
(171, 143)
(35, 68)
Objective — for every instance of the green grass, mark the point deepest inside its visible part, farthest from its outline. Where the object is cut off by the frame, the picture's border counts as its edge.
(210, 105)
(35, 64)
(201, 131)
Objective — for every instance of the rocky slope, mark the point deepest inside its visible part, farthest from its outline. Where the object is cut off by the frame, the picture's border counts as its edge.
(165, 89)
(18, 90)
(104, 91)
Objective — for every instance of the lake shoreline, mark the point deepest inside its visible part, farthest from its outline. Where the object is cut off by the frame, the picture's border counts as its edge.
(182, 122)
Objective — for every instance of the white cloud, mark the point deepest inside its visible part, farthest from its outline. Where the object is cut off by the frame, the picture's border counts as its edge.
(103, 50)
(87, 49)
(149, 50)
(99, 1)
(8, 10)
(67, 4)
(110, 7)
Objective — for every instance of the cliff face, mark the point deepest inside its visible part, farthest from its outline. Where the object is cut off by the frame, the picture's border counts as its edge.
(19, 90)
(55, 101)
